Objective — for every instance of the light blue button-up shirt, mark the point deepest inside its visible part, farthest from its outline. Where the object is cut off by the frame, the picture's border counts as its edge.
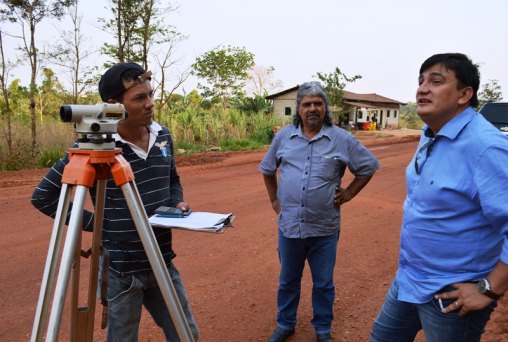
(455, 223)
(309, 171)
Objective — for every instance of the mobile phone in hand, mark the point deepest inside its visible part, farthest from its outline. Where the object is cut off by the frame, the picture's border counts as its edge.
(164, 211)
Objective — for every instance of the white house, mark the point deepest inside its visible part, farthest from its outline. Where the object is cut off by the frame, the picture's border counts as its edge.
(361, 108)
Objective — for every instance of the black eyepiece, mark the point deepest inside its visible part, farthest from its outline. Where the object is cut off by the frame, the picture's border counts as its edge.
(66, 113)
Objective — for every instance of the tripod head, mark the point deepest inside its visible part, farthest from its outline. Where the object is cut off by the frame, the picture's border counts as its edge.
(95, 124)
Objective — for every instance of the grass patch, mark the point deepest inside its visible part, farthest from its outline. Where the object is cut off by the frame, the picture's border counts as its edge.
(186, 148)
(240, 145)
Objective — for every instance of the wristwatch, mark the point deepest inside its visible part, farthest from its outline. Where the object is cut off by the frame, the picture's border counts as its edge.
(485, 289)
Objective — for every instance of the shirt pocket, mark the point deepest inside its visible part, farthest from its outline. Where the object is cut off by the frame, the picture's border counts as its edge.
(329, 167)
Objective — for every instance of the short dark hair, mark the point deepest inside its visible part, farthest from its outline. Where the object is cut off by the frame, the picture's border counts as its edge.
(466, 72)
(311, 88)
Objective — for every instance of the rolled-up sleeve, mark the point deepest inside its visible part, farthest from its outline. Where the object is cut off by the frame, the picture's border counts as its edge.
(361, 161)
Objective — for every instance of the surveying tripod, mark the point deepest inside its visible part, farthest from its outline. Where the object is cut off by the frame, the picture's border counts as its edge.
(84, 168)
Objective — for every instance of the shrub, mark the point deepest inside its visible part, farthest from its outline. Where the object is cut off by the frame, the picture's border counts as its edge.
(20, 158)
(262, 135)
(49, 156)
(193, 130)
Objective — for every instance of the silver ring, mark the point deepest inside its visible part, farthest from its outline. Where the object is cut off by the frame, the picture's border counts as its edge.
(456, 303)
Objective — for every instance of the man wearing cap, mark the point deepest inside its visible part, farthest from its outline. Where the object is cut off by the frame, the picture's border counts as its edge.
(148, 147)
(311, 156)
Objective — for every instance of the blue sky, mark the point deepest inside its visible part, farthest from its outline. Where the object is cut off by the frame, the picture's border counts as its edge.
(383, 41)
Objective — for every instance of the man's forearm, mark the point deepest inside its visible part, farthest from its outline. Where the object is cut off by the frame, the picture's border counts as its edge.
(498, 278)
(357, 185)
(271, 186)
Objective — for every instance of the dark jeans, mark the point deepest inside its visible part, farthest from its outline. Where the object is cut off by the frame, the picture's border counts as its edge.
(321, 253)
(400, 321)
(126, 296)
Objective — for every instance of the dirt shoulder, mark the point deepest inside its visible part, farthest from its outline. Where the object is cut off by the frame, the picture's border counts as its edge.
(10, 179)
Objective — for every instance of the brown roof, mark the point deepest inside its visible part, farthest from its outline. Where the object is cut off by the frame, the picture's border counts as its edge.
(360, 104)
(351, 98)
(372, 97)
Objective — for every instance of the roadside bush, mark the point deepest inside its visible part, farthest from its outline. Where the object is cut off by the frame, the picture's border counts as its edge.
(47, 157)
(262, 127)
(194, 130)
(262, 135)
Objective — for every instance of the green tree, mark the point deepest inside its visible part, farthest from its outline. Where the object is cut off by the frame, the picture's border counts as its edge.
(123, 26)
(141, 32)
(225, 70)
(136, 25)
(194, 99)
(29, 13)
(252, 105)
(19, 100)
(409, 117)
(491, 92)
(152, 28)
(334, 84)
(50, 96)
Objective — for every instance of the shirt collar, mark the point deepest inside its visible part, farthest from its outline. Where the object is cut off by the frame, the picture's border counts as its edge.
(154, 129)
(324, 132)
(453, 127)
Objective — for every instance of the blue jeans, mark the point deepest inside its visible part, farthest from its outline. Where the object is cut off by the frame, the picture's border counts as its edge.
(127, 294)
(321, 253)
(400, 321)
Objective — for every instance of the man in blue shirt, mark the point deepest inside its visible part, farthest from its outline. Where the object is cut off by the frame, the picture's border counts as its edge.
(454, 240)
(311, 156)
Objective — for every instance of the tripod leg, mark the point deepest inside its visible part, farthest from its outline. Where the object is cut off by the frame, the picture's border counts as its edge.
(96, 246)
(75, 312)
(51, 262)
(73, 231)
(82, 322)
(154, 254)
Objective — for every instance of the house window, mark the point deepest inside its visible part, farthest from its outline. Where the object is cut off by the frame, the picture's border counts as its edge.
(381, 112)
(387, 113)
(394, 113)
(287, 111)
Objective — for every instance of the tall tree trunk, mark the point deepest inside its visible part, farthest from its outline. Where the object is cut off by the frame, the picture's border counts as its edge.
(33, 85)
(162, 100)
(121, 54)
(7, 112)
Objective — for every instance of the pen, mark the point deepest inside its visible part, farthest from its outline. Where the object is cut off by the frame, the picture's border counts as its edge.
(440, 304)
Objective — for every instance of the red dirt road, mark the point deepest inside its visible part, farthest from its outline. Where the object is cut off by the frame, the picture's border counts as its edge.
(231, 278)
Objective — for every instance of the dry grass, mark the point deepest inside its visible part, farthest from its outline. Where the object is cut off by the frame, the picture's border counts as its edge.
(52, 136)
